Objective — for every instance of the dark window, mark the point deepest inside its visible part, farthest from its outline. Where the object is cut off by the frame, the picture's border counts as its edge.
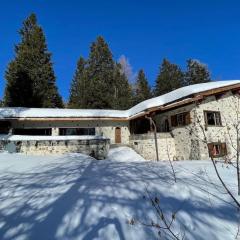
(212, 118)
(181, 119)
(4, 127)
(33, 131)
(76, 131)
(217, 149)
(139, 126)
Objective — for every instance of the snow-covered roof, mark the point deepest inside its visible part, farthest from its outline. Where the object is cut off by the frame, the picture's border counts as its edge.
(179, 94)
(48, 138)
(168, 98)
(60, 113)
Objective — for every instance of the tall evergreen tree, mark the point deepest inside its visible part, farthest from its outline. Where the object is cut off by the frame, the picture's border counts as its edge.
(143, 90)
(100, 76)
(196, 73)
(30, 77)
(169, 78)
(122, 90)
(78, 85)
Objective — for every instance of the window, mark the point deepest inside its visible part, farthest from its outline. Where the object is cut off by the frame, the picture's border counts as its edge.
(217, 149)
(4, 127)
(180, 119)
(212, 118)
(33, 131)
(76, 131)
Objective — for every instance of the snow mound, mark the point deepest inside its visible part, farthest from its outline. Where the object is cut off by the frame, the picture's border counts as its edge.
(124, 154)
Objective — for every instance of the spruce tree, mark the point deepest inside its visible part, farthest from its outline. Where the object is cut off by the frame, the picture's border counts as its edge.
(169, 78)
(30, 77)
(196, 73)
(78, 85)
(123, 98)
(100, 76)
(143, 90)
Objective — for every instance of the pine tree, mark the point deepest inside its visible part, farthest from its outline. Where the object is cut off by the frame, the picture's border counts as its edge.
(143, 90)
(123, 92)
(100, 76)
(170, 78)
(78, 85)
(30, 77)
(196, 73)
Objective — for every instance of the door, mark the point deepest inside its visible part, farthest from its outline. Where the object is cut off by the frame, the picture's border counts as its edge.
(166, 126)
(118, 135)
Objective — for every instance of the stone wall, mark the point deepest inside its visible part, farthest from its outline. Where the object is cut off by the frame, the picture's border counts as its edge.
(144, 144)
(97, 148)
(189, 139)
(184, 143)
(229, 107)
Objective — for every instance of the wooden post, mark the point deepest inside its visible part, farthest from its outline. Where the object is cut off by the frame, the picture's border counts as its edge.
(152, 123)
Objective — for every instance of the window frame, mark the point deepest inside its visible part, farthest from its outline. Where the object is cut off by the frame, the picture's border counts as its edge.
(206, 112)
(33, 131)
(186, 119)
(63, 131)
(222, 150)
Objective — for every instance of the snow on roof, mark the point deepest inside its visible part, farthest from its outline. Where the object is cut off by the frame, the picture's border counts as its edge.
(59, 113)
(178, 94)
(101, 113)
(46, 138)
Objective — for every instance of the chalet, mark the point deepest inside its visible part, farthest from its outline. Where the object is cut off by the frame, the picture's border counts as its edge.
(193, 122)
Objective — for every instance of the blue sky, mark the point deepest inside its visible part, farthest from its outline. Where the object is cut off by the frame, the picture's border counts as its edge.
(145, 31)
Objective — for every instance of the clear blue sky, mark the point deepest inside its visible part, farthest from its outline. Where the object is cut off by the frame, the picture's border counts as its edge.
(145, 31)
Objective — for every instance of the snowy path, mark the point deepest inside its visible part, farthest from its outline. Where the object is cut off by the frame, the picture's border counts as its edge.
(76, 197)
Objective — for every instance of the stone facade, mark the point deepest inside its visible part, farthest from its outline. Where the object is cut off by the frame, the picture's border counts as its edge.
(183, 143)
(186, 142)
(229, 106)
(144, 144)
(97, 148)
(188, 139)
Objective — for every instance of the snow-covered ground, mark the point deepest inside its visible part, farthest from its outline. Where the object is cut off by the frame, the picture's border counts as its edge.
(76, 197)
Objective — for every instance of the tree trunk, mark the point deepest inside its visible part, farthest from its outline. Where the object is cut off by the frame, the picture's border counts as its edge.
(152, 123)
(238, 174)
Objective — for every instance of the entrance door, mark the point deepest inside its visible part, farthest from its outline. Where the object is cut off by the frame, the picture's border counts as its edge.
(118, 135)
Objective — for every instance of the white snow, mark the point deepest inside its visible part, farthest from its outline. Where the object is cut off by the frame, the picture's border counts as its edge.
(124, 154)
(76, 197)
(39, 138)
(59, 113)
(100, 113)
(178, 94)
